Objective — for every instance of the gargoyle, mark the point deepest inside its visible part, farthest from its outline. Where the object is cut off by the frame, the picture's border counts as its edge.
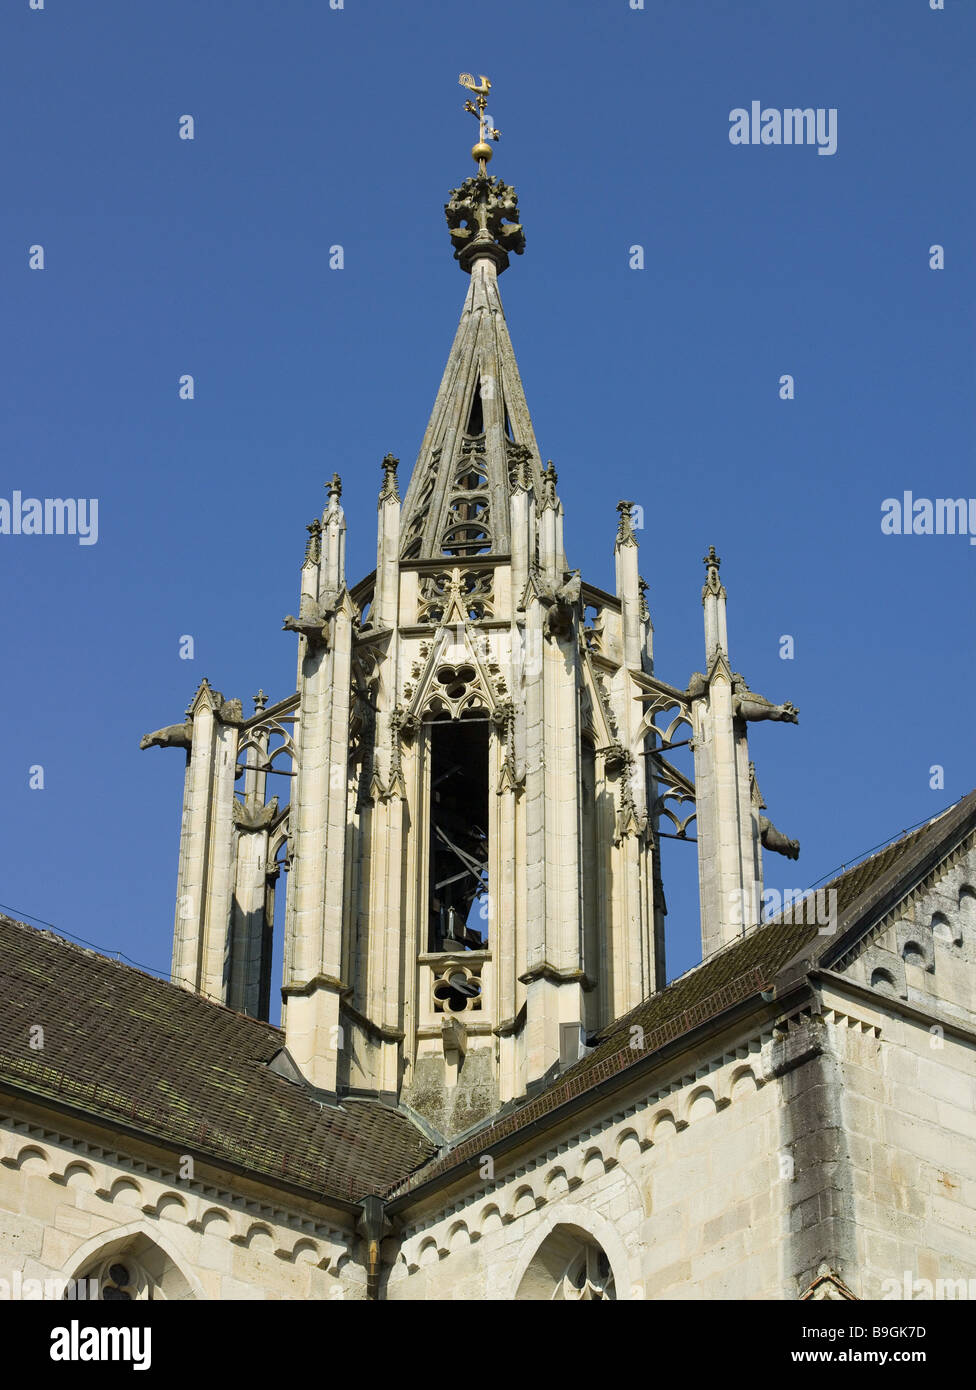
(571, 590)
(776, 841)
(405, 724)
(314, 622)
(173, 736)
(561, 603)
(754, 708)
(749, 705)
(697, 685)
(615, 757)
(502, 713)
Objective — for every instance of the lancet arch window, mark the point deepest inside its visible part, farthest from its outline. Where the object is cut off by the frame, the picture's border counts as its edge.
(468, 522)
(130, 1269)
(458, 828)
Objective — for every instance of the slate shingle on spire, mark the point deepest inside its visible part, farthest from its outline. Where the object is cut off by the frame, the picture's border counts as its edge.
(479, 440)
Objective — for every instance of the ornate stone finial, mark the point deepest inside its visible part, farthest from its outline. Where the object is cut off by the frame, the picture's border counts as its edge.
(549, 479)
(260, 701)
(203, 686)
(481, 152)
(334, 489)
(482, 214)
(519, 458)
(625, 531)
(713, 584)
(488, 210)
(313, 546)
(388, 492)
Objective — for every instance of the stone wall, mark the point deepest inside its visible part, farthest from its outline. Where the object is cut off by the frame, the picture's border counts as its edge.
(909, 1109)
(66, 1204)
(682, 1191)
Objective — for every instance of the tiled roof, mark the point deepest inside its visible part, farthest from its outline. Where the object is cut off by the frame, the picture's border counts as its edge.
(125, 1046)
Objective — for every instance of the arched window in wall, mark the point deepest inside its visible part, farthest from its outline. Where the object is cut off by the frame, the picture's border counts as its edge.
(132, 1269)
(568, 1267)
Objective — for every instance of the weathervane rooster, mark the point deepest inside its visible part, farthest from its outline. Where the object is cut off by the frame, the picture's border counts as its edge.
(482, 150)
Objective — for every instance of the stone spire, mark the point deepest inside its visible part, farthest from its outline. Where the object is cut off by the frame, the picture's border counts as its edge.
(479, 441)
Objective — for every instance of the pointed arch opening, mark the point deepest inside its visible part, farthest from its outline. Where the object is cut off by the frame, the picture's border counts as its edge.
(458, 820)
(132, 1266)
(476, 415)
(570, 1266)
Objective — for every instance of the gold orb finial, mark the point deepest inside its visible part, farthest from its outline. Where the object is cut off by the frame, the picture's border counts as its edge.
(482, 151)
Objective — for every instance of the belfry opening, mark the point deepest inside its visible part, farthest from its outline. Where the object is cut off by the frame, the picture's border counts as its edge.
(458, 834)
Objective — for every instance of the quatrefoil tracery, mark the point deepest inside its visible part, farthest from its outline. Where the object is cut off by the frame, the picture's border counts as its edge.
(457, 990)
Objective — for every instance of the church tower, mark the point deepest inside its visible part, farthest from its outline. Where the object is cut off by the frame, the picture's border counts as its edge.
(472, 883)
(477, 754)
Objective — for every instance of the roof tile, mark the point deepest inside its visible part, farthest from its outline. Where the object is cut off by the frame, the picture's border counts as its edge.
(125, 1046)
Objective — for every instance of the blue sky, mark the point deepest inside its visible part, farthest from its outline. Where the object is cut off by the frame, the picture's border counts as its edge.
(316, 127)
